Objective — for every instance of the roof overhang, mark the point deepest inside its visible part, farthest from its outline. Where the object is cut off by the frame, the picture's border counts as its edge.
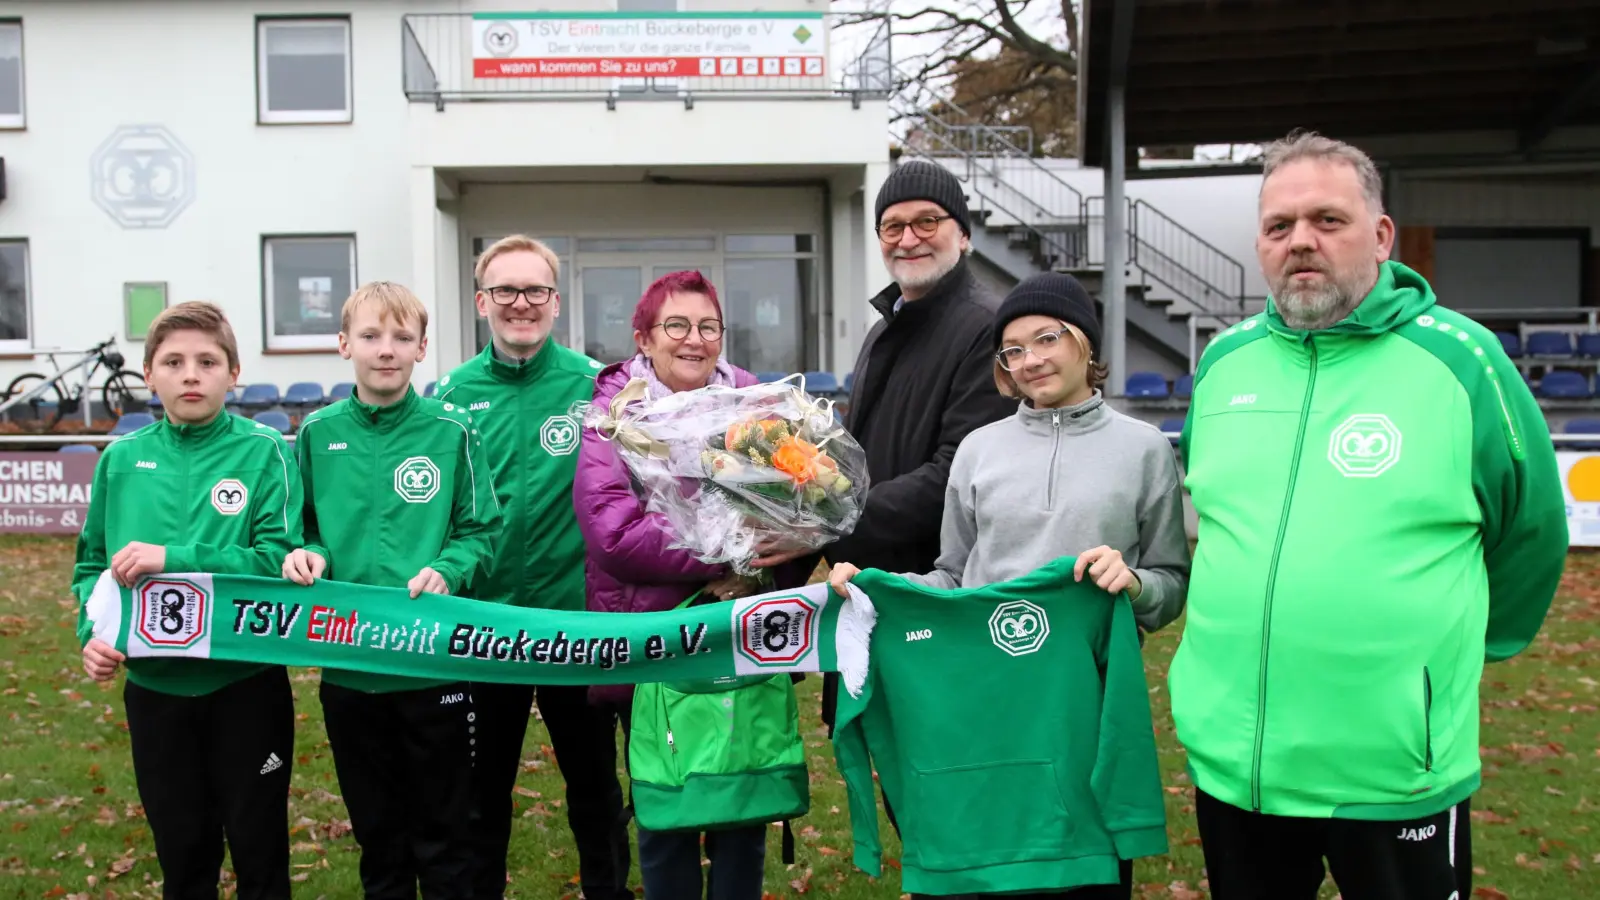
(1414, 82)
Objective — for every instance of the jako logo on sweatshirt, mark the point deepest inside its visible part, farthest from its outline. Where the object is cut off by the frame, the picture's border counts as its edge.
(1019, 627)
(416, 480)
(1364, 446)
(479, 406)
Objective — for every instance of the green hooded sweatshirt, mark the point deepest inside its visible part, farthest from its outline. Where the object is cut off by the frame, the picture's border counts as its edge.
(1046, 790)
(531, 416)
(221, 497)
(1379, 510)
(391, 490)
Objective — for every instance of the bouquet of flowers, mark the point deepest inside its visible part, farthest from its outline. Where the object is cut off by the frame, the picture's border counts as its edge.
(731, 469)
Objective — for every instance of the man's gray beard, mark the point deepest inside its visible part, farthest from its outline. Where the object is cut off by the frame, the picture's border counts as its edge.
(928, 281)
(1318, 308)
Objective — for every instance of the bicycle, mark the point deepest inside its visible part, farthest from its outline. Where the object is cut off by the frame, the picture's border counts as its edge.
(123, 390)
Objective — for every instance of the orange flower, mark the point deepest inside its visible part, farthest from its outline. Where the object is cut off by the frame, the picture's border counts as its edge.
(797, 459)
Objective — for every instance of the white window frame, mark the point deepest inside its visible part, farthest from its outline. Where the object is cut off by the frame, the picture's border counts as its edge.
(266, 116)
(20, 120)
(275, 341)
(25, 343)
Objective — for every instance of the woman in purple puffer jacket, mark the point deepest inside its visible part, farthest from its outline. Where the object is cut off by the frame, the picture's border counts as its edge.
(678, 327)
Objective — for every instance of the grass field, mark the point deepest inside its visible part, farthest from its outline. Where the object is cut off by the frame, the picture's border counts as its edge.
(71, 824)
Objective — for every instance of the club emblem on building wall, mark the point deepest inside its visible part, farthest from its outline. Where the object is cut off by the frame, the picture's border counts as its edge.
(142, 176)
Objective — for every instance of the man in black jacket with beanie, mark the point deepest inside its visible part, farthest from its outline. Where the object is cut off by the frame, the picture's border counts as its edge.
(924, 378)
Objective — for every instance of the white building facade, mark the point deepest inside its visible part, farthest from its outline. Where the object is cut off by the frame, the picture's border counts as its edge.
(271, 156)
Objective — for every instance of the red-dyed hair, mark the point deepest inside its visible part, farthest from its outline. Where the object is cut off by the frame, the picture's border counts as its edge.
(689, 282)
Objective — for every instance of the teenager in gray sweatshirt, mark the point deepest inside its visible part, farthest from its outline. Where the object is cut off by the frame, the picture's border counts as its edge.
(1067, 475)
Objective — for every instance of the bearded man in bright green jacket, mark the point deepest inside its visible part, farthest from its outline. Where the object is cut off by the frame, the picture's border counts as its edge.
(1379, 513)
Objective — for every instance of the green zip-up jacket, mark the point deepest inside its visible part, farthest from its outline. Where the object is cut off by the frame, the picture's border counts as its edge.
(1009, 726)
(391, 490)
(220, 497)
(1379, 511)
(530, 416)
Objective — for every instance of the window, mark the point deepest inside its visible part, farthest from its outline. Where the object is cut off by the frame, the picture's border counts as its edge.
(307, 280)
(769, 298)
(11, 75)
(303, 71)
(14, 306)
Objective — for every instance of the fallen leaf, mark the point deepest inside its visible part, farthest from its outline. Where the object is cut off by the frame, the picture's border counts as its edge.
(521, 791)
(1180, 890)
(1523, 861)
(1489, 893)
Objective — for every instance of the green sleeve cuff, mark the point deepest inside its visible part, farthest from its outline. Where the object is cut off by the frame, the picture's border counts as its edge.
(869, 859)
(1134, 843)
(179, 559)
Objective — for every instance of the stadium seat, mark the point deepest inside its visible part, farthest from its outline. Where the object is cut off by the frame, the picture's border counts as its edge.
(1563, 385)
(131, 422)
(431, 389)
(769, 377)
(1173, 427)
(341, 391)
(850, 382)
(1183, 387)
(79, 448)
(260, 396)
(822, 384)
(1147, 385)
(155, 401)
(1510, 342)
(303, 394)
(1549, 343)
(1581, 426)
(1589, 345)
(274, 419)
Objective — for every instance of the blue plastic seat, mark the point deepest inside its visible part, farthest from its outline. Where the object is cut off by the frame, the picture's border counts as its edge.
(850, 382)
(341, 391)
(303, 393)
(155, 401)
(1582, 426)
(1147, 385)
(822, 384)
(769, 377)
(1549, 343)
(79, 448)
(260, 396)
(1172, 428)
(274, 419)
(431, 389)
(1183, 387)
(1589, 345)
(131, 422)
(1563, 385)
(1510, 343)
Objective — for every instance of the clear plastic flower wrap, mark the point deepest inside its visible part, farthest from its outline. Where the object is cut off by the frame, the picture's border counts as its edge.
(733, 469)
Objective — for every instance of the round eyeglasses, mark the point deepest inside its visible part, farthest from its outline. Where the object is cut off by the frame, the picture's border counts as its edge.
(1043, 346)
(678, 328)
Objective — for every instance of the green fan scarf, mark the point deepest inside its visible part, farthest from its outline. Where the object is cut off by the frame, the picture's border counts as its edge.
(382, 630)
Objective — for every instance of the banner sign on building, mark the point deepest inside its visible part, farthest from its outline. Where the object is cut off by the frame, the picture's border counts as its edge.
(45, 493)
(639, 45)
(1580, 480)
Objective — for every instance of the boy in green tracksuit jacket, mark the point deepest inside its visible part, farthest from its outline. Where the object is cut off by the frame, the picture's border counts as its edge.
(201, 491)
(989, 801)
(1379, 512)
(396, 494)
(526, 394)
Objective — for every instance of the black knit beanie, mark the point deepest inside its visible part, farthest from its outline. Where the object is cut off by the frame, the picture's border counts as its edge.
(1052, 294)
(921, 180)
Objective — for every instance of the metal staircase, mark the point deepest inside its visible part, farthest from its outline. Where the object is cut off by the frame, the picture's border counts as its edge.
(1026, 218)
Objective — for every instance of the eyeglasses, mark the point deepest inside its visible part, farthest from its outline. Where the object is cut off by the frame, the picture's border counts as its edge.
(922, 226)
(505, 295)
(678, 328)
(1043, 346)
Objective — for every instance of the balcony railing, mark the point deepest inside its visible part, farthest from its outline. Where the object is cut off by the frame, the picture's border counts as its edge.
(452, 57)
